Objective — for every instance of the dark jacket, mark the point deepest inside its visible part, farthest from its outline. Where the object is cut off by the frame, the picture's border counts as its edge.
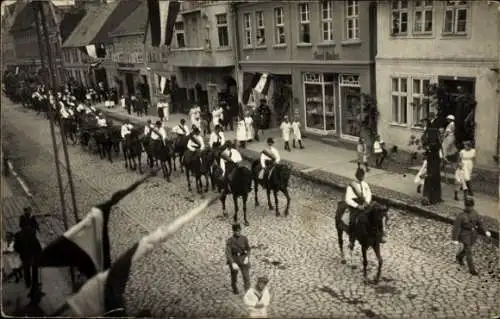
(27, 245)
(466, 226)
(237, 248)
(28, 221)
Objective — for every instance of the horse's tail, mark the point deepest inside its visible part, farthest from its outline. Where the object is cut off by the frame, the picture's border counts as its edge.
(285, 174)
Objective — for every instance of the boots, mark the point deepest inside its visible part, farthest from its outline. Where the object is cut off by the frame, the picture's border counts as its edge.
(287, 146)
(469, 188)
(300, 144)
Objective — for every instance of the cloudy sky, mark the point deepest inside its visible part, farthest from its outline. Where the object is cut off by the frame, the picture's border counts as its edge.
(56, 2)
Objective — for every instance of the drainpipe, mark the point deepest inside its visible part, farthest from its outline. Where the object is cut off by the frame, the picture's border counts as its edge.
(236, 50)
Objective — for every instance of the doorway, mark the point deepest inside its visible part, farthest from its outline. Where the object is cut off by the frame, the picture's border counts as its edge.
(129, 82)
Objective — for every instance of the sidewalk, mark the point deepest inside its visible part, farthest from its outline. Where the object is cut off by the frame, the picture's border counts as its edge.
(55, 282)
(330, 164)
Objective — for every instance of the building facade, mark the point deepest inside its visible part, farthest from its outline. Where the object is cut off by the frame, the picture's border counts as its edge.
(7, 41)
(319, 57)
(127, 70)
(201, 60)
(450, 43)
(76, 64)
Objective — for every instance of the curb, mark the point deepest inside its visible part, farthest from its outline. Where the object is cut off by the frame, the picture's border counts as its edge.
(412, 208)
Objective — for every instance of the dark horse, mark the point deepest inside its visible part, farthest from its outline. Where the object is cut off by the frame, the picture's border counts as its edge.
(368, 229)
(108, 139)
(132, 150)
(180, 147)
(163, 152)
(198, 164)
(240, 186)
(69, 127)
(276, 181)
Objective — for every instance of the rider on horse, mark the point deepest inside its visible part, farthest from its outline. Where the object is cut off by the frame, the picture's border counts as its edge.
(229, 154)
(126, 128)
(359, 199)
(158, 132)
(268, 158)
(196, 143)
(101, 120)
(182, 129)
(217, 137)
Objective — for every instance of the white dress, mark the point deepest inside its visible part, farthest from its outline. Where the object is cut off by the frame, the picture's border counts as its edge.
(467, 157)
(448, 144)
(297, 135)
(241, 131)
(249, 128)
(285, 131)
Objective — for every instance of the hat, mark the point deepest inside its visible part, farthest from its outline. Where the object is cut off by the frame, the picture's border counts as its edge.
(228, 144)
(270, 140)
(360, 173)
(450, 117)
(27, 209)
(236, 227)
(158, 123)
(263, 280)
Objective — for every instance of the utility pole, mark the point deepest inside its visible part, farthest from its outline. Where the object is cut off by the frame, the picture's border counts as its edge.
(54, 85)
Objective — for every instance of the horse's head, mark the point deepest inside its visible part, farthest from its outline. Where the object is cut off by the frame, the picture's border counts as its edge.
(379, 214)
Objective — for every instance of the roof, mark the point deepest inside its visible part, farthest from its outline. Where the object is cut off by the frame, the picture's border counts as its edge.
(70, 21)
(25, 18)
(123, 10)
(90, 25)
(134, 24)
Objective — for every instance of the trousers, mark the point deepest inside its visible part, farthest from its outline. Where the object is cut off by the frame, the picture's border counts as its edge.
(466, 252)
(245, 272)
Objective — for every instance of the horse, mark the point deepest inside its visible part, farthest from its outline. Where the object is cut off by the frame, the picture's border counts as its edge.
(163, 151)
(368, 230)
(146, 145)
(276, 181)
(180, 147)
(241, 185)
(107, 140)
(132, 150)
(69, 128)
(198, 166)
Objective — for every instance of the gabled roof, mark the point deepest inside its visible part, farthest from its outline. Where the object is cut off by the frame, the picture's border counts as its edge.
(70, 21)
(134, 24)
(90, 25)
(123, 10)
(25, 18)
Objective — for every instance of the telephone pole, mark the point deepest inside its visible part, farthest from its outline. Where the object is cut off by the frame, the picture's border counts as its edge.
(40, 19)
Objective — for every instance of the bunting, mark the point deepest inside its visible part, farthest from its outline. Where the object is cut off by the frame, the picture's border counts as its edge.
(161, 16)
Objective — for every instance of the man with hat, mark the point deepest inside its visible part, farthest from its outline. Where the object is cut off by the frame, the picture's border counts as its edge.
(217, 114)
(465, 229)
(217, 137)
(229, 154)
(358, 197)
(268, 158)
(237, 253)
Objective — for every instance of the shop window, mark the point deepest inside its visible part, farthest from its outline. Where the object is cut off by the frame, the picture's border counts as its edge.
(351, 108)
(319, 101)
(400, 100)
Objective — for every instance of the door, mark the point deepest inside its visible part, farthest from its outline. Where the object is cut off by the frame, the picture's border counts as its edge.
(129, 82)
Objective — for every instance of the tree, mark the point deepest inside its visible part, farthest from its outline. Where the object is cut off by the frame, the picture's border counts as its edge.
(369, 121)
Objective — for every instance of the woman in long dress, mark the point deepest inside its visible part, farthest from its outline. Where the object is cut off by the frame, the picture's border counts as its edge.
(450, 151)
(249, 126)
(241, 132)
(467, 158)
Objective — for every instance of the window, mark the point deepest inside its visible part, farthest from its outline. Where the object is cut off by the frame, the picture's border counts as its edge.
(423, 17)
(247, 26)
(399, 17)
(305, 23)
(400, 100)
(261, 32)
(351, 20)
(420, 101)
(327, 20)
(179, 34)
(279, 23)
(455, 17)
(222, 30)
(319, 100)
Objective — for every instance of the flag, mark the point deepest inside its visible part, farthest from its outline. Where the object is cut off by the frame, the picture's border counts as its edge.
(161, 16)
(163, 83)
(253, 82)
(104, 293)
(263, 84)
(86, 244)
(91, 51)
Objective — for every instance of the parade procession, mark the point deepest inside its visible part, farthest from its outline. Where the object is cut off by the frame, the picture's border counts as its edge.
(180, 159)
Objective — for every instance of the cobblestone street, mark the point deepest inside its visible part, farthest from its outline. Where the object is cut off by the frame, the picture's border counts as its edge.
(299, 254)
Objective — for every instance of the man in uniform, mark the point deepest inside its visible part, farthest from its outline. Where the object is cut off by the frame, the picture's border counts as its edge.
(268, 158)
(147, 128)
(126, 128)
(237, 255)
(217, 137)
(229, 154)
(465, 229)
(358, 197)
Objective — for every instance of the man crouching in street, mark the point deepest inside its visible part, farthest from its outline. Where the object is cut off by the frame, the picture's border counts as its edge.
(465, 229)
(237, 253)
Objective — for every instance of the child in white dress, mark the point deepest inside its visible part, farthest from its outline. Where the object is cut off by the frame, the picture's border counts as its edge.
(460, 184)
(467, 158)
(249, 126)
(241, 132)
(420, 177)
(297, 135)
(285, 132)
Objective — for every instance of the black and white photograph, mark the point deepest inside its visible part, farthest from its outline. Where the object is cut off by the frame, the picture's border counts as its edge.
(250, 159)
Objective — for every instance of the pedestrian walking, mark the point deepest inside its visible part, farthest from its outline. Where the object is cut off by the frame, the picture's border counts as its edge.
(297, 134)
(285, 128)
(465, 229)
(379, 151)
(28, 247)
(362, 154)
(237, 255)
(460, 184)
(257, 299)
(467, 158)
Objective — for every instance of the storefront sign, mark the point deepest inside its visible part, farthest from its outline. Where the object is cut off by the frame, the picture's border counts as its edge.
(327, 56)
(126, 66)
